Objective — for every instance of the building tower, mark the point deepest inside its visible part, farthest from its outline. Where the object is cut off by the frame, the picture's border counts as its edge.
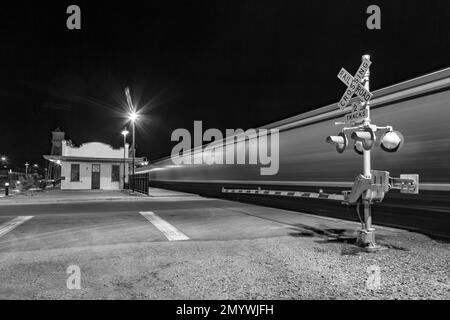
(54, 171)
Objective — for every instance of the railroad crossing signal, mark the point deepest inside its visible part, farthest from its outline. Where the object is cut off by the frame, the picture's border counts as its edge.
(370, 186)
(354, 85)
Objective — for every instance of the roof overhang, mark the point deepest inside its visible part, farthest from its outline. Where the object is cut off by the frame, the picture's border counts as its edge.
(59, 159)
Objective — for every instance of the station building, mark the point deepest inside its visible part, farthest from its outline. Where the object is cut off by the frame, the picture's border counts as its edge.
(92, 165)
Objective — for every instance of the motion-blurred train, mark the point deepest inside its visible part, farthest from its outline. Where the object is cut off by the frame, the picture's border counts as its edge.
(418, 108)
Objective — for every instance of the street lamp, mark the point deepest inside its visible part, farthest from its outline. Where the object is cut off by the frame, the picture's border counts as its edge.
(3, 159)
(133, 116)
(26, 169)
(124, 133)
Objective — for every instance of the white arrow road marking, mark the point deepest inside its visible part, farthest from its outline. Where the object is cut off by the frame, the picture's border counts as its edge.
(12, 224)
(172, 233)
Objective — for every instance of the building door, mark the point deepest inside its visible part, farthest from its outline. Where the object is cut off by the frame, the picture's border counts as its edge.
(95, 181)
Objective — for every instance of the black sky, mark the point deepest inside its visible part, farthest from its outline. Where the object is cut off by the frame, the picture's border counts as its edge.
(229, 63)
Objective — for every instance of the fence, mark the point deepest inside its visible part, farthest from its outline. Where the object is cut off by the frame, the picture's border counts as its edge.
(139, 183)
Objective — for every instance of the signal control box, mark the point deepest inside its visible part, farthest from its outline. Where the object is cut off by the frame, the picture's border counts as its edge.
(374, 188)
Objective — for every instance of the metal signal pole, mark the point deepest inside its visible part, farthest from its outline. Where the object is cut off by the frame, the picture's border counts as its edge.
(367, 235)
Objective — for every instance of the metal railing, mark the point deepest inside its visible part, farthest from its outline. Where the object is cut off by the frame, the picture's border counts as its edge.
(139, 183)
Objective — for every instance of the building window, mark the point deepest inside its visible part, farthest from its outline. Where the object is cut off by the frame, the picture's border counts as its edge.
(74, 172)
(115, 173)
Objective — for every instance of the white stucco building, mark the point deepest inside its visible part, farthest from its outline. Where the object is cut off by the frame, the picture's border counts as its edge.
(92, 165)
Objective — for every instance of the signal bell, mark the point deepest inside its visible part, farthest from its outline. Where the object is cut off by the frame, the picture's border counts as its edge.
(392, 141)
(340, 141)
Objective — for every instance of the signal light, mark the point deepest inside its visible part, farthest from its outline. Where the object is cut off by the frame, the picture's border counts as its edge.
(340, 141)
(367, 138)
(358, 147)
(392, 141)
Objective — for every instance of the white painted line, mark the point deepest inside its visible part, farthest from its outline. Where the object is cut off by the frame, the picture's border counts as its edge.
(172, 233)
(12, 224)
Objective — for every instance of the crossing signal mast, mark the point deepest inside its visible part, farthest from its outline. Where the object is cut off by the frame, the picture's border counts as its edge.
(371, 186)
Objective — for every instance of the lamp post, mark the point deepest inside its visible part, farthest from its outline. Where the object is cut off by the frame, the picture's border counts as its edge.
(124, 133)
(133, 116)
(26, 169)
(3, 159)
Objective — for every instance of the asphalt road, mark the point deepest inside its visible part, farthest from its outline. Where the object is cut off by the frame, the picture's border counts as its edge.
(231, 250)
(428, 212)
(101, 223)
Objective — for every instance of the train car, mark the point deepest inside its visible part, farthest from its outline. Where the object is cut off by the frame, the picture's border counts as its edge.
(418, 108)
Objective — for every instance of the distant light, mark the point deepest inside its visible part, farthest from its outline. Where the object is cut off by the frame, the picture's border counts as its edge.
(6, 184)
(3, 158)
(125, 132)
(35, 165)
(18, 182)
(58, 161)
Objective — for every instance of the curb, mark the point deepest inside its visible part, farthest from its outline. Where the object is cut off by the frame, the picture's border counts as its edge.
(17, 202)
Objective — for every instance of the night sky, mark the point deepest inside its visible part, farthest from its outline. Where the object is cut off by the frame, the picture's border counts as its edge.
(232, 64)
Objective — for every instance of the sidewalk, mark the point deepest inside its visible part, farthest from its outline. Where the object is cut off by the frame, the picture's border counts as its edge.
(72, 196)
(157, 192)
(65, 196)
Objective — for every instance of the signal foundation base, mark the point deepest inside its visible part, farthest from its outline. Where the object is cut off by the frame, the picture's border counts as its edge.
(366, 238)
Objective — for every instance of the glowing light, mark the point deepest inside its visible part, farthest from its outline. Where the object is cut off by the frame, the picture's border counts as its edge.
(133, 116)
(124, 132)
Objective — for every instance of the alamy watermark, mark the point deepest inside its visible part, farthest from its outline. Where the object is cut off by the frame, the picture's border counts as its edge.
(373, 281)
(253, 147)
(74, 280)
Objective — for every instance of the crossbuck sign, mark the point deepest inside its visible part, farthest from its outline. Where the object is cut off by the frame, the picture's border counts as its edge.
(354, 85)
